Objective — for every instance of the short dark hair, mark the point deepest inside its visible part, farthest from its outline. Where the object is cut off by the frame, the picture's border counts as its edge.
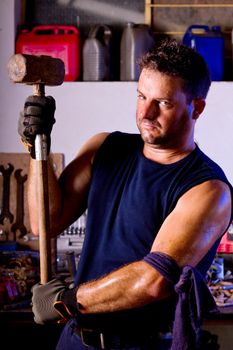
(175, 59)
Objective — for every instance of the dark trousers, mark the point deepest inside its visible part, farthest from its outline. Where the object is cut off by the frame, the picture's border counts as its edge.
(69, 340)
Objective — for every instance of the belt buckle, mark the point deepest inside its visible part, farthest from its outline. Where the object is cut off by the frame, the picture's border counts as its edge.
(101, 338)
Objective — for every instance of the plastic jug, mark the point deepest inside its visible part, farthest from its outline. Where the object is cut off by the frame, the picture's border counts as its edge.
(209, 42)
(97, 54)
(136, 40)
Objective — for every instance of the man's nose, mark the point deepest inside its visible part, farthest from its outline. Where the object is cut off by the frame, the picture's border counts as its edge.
(152, 110)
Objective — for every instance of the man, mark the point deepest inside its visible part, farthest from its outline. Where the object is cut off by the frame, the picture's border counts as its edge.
(156, 205)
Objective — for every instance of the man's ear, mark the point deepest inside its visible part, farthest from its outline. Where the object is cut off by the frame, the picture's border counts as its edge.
(198, 107)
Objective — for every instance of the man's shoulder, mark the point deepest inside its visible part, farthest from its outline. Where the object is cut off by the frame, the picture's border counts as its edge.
(201, 169)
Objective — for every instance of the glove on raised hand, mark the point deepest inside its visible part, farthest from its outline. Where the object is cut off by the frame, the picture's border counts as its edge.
(37, 118)
(53, 301)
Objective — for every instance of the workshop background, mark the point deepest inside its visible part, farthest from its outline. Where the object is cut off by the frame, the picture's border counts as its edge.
(97, 95)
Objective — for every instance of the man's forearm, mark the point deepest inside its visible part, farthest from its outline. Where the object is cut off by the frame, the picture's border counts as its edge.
(32, 195)
(131, 286)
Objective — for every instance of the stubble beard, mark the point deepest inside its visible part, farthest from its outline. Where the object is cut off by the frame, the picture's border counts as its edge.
(151, 138)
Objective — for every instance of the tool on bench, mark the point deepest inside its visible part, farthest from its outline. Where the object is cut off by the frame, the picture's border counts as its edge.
(39, 71)
(71, 264)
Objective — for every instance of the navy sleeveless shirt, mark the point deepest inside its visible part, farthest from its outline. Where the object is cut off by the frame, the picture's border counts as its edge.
(130, 197)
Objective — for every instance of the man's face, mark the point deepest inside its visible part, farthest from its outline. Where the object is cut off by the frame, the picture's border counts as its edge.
(164, 118)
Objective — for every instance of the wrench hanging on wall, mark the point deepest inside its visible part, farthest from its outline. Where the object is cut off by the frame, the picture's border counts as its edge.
(18, 225)
(6, 213)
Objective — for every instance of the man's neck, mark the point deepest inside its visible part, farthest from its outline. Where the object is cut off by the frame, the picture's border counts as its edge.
(167, 155)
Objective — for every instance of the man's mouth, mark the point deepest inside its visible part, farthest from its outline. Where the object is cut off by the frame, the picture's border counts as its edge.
(149, 124)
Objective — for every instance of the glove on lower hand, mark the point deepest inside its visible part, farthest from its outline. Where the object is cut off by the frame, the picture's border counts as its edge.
(44, 296)
(36, 119)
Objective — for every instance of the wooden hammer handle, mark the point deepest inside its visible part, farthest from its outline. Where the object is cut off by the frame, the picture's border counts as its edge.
(43, 203)
(43, 199)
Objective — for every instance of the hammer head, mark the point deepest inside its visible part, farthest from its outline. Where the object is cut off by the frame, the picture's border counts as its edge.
(30, 69)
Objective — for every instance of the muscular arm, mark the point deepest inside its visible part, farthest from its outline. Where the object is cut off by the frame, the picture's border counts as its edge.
(198, 220)
(68, 194)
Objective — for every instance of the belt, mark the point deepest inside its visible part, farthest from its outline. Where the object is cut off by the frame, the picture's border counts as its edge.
(107, 340)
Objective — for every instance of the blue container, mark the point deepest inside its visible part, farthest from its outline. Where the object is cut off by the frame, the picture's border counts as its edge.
(209, 42)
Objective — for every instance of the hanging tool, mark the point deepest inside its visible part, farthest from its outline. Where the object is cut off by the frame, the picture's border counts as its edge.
(39, 71)
(5, 212)
(18, 225)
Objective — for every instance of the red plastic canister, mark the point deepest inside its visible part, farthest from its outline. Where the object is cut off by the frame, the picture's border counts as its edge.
(226, 243)
(58, 41)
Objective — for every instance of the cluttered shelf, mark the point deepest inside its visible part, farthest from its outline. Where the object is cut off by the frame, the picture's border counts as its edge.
(19, 271)
(98, 46)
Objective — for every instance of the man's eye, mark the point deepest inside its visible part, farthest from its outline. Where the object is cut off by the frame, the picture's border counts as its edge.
(141, 97)
(165, 104)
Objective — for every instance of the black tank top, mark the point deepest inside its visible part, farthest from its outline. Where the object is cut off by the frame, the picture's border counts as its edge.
(130, 197)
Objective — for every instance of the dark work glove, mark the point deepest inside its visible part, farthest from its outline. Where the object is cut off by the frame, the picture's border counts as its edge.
(37, 118)
(53, 301)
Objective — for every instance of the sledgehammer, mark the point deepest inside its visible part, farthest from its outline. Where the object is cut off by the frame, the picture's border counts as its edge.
(39, 71)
